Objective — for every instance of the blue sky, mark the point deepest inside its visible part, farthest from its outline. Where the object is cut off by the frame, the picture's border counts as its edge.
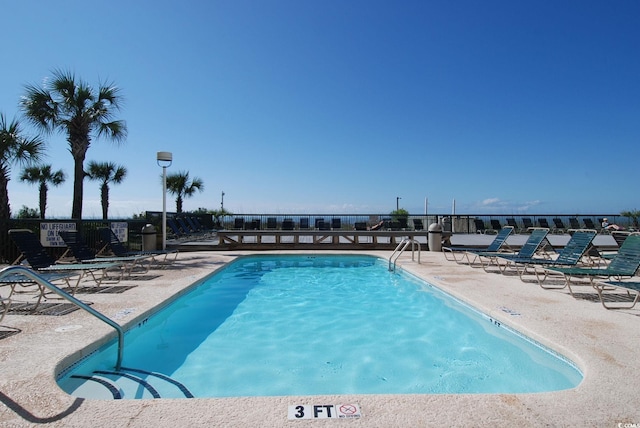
(341, 106)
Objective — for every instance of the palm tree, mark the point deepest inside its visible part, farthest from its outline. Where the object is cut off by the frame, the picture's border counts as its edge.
(71, 106)
(106, 172)
(42, 175)
(14, 148)
(179, 185)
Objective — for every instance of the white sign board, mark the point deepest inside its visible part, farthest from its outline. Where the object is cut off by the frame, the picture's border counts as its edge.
(121, 229)
(49, 233)
(324, 411)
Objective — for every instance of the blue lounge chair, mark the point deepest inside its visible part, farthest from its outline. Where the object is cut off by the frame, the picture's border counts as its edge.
(533, 244)
(496, 245)
(20, 284)
(83, 254)
(39, 260)
(111, 242)
(623, 265)
(570, 255)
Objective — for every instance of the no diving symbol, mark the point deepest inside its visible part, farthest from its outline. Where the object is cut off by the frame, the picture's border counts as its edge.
(348, 409)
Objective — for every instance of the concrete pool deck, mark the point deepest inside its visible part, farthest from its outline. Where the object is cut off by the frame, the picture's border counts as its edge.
(604, 344)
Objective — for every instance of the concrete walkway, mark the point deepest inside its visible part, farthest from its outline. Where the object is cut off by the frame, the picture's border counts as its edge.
(604, 344)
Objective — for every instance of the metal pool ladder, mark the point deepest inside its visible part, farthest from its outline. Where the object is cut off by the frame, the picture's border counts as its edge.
(402, 246)
(21, 270)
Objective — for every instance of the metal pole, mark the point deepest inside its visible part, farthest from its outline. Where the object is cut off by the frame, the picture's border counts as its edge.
(164, 208)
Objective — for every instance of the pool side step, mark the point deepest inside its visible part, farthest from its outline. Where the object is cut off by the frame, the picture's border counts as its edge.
(165, 378)
(128, 383)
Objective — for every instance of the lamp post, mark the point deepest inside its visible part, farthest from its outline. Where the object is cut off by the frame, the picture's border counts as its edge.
(164, 160)
(398, 203)
(222, 202)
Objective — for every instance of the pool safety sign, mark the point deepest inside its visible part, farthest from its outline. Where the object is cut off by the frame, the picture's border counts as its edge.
(324, 411)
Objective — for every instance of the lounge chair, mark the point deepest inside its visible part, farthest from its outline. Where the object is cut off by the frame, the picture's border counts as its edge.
(544, 223)
(623, 265)
(512, 222)
(417, 224)
(177, 232)
(574, 224)
(111, 242)
(360, 225)
(83, 254)
(19, 284)
(336, 224)
(39, 260)
(272, 223)
(480, 227)
(238, 223)
(630, 288)
(495, 225)
(527, 224)
(533, 244)
(588, 223)
(287, 224)
(495, 246)
(570, 255)
(304, 223)
(559, 225)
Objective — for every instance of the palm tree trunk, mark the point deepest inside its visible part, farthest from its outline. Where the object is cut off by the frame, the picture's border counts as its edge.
(43, 199)
(179, 204)
(104, 194)
(78, 182)
(5, 211)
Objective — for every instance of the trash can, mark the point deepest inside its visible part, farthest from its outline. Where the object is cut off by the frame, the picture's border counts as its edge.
(435, 237)
(149, 238)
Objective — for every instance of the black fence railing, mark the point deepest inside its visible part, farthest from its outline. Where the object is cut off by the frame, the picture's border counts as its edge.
(459, 223)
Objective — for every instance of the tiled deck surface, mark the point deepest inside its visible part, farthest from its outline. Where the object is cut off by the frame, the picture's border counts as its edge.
(604, 344)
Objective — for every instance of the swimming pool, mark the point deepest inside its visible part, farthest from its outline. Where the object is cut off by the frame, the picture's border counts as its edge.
(311, 325)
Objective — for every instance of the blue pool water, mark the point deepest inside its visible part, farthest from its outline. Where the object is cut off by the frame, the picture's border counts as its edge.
(309, 325)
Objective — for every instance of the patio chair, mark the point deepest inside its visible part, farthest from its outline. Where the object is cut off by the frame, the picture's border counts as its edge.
(336, 224)
(533, 244)
(417, 224)
(111, 242)
(39, 260)
(624, 264)
(495, 225)
(570, 255)
(83, 254)
(496, 245)
(304, 223)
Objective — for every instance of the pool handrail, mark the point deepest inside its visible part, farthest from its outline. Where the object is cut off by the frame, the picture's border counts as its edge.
(29, 273)
(400, 249)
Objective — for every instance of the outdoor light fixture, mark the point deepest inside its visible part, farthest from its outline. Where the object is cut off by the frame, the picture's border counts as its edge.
(164, 160)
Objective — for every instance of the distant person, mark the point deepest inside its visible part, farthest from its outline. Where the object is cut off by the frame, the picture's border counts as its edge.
(377, 226)
(608, 226)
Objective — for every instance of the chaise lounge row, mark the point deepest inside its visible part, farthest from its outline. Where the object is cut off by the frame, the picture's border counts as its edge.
(577, 263)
